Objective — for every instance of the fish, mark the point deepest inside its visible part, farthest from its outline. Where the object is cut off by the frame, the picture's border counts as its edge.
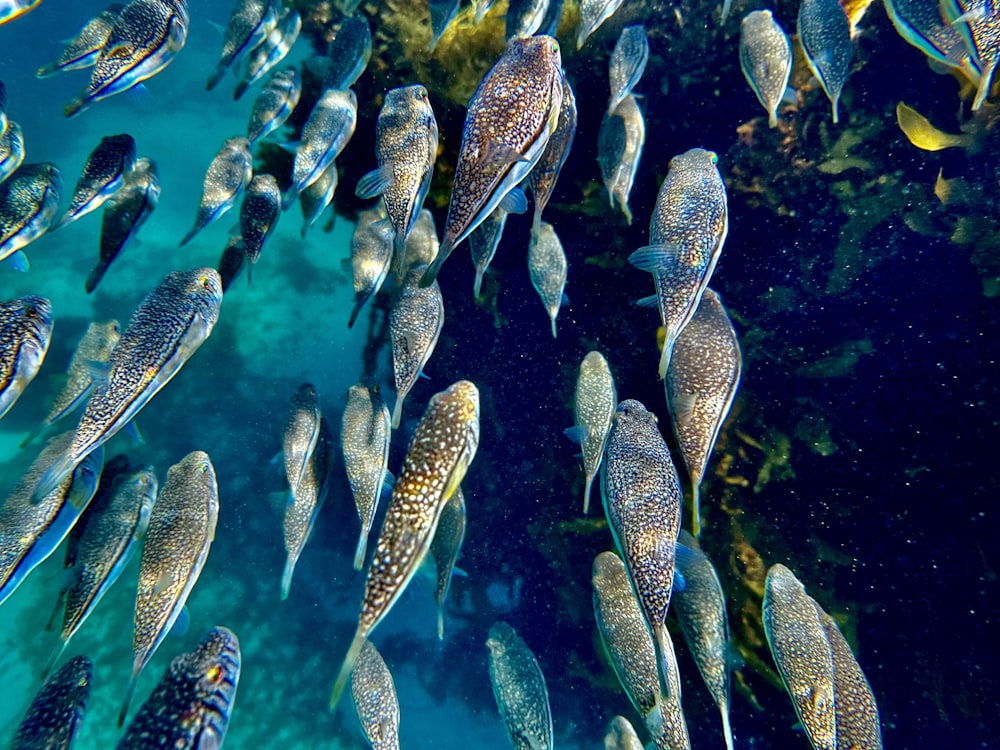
(825, 34)
(619, 147)
(170, 324)
(25, 333)
(249, 24)
(315, 198)
(547, 267)
(3, 108)
(978, 23)
(524, 17)
(346, 56)
(593, 13)
(422, 244)
(274, 104)
(483, 243)
(443, 12)
(191, 705)
(103, 174)
(920, 23)
(621, 735)
(85, 47)
(13, 9)
(406, 144)
(686, 234)
(766, 60)
(550, 22)
(923, 134)
(542, 179)
(227, 177)
(701, 384)
(272, 50)
(503, 138)
(802, 654)
(303, 505)
(480, 9)
(445, 548)
(371, 253)
(300, 435)
(642, 501)
(375, 701)
(231, 262)
(328, 129)
(437, 459)
(54, 717)
(415, 323)
(366, 429)
(594, 402)
(179, 535)
(124, 215)
(259, 214)
(114, 468)
(627, 64)
(519, 688)
(11, 150)
(145, 38)
(29, 200)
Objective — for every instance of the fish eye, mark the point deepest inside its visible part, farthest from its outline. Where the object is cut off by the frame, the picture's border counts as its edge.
(555, 47)
(214, 674)
(714, 157)
(204, 282)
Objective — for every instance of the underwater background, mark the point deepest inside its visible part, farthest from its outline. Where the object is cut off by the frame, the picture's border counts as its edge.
(859, 451)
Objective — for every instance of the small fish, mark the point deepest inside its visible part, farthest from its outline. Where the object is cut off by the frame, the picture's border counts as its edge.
(103, 174)
(145, 38)
(300, 434)
(443, 12)
(520, 691)
(415, 323)
(422, 245)
(686, 235)
(249, 24)
(825, 34)
(406, 143)
(180, 532)
(628, 63)
(445, 549)
(443, 445)
(371, 253)
(364, 442)
(547, 267)
(592, 14)
(274, 103)
(619, 148)
(190, 707)
(315, 198)
(594, 404)
(480, 9)
(923, 134)
(165, 330)
(978, 23)
(53, 719)
(524, 17)
(542, 179)
(802, 654)
(233, 259)
(11, 150)
(303, 505)
(227, 177)
(12, 9)
(83, 49)
(346, 56)
(621, 735)
(483, 243)
(124, 216)
(503, 138)
(25, 332)
(375, 699)
(118, 466)
(766, 60)
(29, 200)
(272, 50)
(259, 214)
(328, 129)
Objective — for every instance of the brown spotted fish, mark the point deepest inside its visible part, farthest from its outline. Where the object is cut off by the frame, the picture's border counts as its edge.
(621, 735)
(594, 403)
(11, 150)
(542, 179)
(371, 253)
(483, 244)
(53, 719)
(547, 268)
(181, 531)
(85, 47)
(443, 445)
(227, 177)
(766, 60)
(375, 699)
(300, 433)
(103, 174)
(259, 214)
(415, 322)
(25, 332)
(249, 24)
(619, 148)
(520, 691)
(445, 549)
(29, 200)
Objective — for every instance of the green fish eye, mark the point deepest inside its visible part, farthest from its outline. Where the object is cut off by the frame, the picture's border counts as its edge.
(714, 156)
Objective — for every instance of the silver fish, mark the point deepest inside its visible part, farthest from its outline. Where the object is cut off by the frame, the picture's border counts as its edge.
(180, 533)
(13, 9)
(594, 403)
(304, 504)
(259, 214)
(272, 50)
(249, 24)
(29, 200)
(328, 129)
(628, 63)
(483, 243)
(825, 34)
(503, 138)
(315, 198)
(592, 14)
(364, 442)
(445, 548)
(274, 103)
(619, 148)
(190, 706)
(103, 174)
(480, 9)
(547, 267)
(11, 150)
(524, 17)
(443, 445)
(520, 691)
(375, 699)
(300, 434)
(686, 235)
(85, 47)
(542, 179)
(443, 12)
(25, 332)
(53, 719)
(165, 330)
(422, 245)
(415, 323)
(346, 56)
(766, 60)
(621, 735)
(227, 177)
(371, 254)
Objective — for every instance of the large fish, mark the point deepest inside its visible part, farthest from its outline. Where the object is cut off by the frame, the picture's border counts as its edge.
(445, 549)
(272, 50)
(29, 200)
(483, 243)
(227, 177)
(594, 403)
(11, 150)
(375, 699)
(766, 60)
(274, 104)
(825, 34)
(85, 47)
(315, 198)
(520, 691)
(592, 14)
(547, 268)
(53, 719)
(25, 332)
(249, 24)
(628, 63)
(415, 323)
(371, 255)
(304, 504)
(324, 135)
(542, 179)
(259, 214)
(619, 148)
(104, 173)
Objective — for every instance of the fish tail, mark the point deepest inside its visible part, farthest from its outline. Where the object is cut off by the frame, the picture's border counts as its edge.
(129, 690)
(772, 119)
(362, 551)
(216, 76)
(477, 285)
(54, 658)
(241, 88)
(35, 433)
(47, 70)
(432, 270)
(399, 253)
(286, 577)
(727, 733)
(588, 483)
(397, 412)
(94, 277)
(356, 312)
(695, 509)
(665, 358)
(189, 236)
(440, 619)
(662, 646)
(75, 107)
(345, 670)
(52, 478)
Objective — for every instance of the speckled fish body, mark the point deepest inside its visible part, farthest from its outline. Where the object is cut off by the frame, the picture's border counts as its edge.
(672, 734)
(520, 691)
(375, 701)
(504, 136)
(249, 24)
(978, 22)
(304, 504)
(83, 49)
(259, 214)
(547, 267)
(642, 501)
(190, 707)
(31, 531)
(13, 9)
(825, 34)
(328, 129)
(524, 17)
(415, 323)
(315, 198)
(592, 14)
(180, 532)
(272, 50)
(364, 440)
(103, 174)
(274, 104)
(542, 179)
(443, 12)
(227, 177)
(443, 445)
(145, 38)
(165, 330)
(621, 735)
(483, 243)
(371, 254)
(619, 148)
(594, 403)
(686, 235)
(766, 60)
(422, 244)
(300, 433)
(11, 150)
(54, 717)
(406, 143)
(628, 63)
(445, 548)
(25, 332)
(346, 56)
(802, 654)
(920, 23)
(29, 200)
(124, 215)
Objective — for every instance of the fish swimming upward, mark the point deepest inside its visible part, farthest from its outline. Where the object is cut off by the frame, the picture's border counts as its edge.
(25, 332)
(594, 402)
(415, 323)
(619, 148)
(85, 47)
(445, 549)
(825, 34)
(593, 13)
(330, 126)
(104, 173)
(54, 717)
(542, 179)
(274, 104)
(371, 255)
(483, 243)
